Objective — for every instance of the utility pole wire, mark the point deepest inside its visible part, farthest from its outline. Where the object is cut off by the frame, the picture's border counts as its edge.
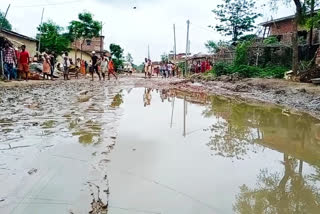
(47, 5)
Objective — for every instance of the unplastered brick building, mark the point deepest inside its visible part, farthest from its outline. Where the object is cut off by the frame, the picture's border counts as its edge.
(88, 45)
(283, 29)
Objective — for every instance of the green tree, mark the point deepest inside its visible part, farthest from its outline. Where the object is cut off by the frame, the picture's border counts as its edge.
(117, 55)
(211, 46)
(84, 28)
(140, 67)
(129, 58)
(52, 38)
(4, 23)
(214, 47)
(236, 17)
(164, 58)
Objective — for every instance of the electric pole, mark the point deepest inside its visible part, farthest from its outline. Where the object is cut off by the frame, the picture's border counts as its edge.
(148, 52)
(40, 31)
(101, 40)
(187, 47)
(175, 42)
(5, 16)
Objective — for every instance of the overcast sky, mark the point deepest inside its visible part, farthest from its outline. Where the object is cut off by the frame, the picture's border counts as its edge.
(151, 23)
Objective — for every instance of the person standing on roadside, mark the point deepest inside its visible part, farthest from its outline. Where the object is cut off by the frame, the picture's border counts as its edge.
(95, 65)
(150, 68)
(145, 67)
(10, 60)
(66, 65)
(52, 63)
(104, 67)
(111, 69)
(169, 69)
(24, 61)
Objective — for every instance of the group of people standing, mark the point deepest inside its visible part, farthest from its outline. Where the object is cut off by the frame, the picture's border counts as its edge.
(16, 64)
(200, 66)
(165, 70)
(168, 70)
(102, 65)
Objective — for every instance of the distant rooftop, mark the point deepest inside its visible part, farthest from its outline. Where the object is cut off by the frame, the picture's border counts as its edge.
(18, 35)
(283, 19)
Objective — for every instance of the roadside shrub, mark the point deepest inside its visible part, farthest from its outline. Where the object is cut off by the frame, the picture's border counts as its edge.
(247, 71)
(242, 50)
(274, 72)
(221, 68)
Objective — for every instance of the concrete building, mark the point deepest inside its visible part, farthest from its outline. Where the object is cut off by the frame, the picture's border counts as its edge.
(18, 39)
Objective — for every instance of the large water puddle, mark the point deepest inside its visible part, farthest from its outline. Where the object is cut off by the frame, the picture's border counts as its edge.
(190, 153)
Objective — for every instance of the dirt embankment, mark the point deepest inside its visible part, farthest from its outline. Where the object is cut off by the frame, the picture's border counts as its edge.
(292, 95)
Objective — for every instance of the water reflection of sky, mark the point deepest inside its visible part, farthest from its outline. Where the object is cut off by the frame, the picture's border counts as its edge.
(227, 145)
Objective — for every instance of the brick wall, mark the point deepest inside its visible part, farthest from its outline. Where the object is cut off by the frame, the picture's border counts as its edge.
(95, 45)
(281, 28)
(285, 29)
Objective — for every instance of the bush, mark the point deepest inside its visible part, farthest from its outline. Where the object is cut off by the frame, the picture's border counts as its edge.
(242, 51)
(270, 40)
(274, 72)
(221, 68)
(247, 71)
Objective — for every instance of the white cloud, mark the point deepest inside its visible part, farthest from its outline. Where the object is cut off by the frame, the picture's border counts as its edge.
(151, 23)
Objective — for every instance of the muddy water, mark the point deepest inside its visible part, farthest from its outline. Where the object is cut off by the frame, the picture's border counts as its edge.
(192, 153)
(54, 145)
(79, 146)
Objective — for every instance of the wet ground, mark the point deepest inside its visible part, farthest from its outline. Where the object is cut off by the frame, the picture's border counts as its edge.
(82, 146)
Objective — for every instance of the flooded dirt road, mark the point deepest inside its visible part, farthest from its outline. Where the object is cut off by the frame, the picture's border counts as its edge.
(82, 146)
(54, 145)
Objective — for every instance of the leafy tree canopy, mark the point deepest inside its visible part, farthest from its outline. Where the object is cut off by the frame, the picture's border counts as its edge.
(164, 58)
(129, 58)
(52, 38)
(117, 55)
(86, 27)
(4, 23)
(236, 17)
(215, 47)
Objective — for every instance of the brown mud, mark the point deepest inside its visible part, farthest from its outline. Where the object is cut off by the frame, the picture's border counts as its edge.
(55, 137)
